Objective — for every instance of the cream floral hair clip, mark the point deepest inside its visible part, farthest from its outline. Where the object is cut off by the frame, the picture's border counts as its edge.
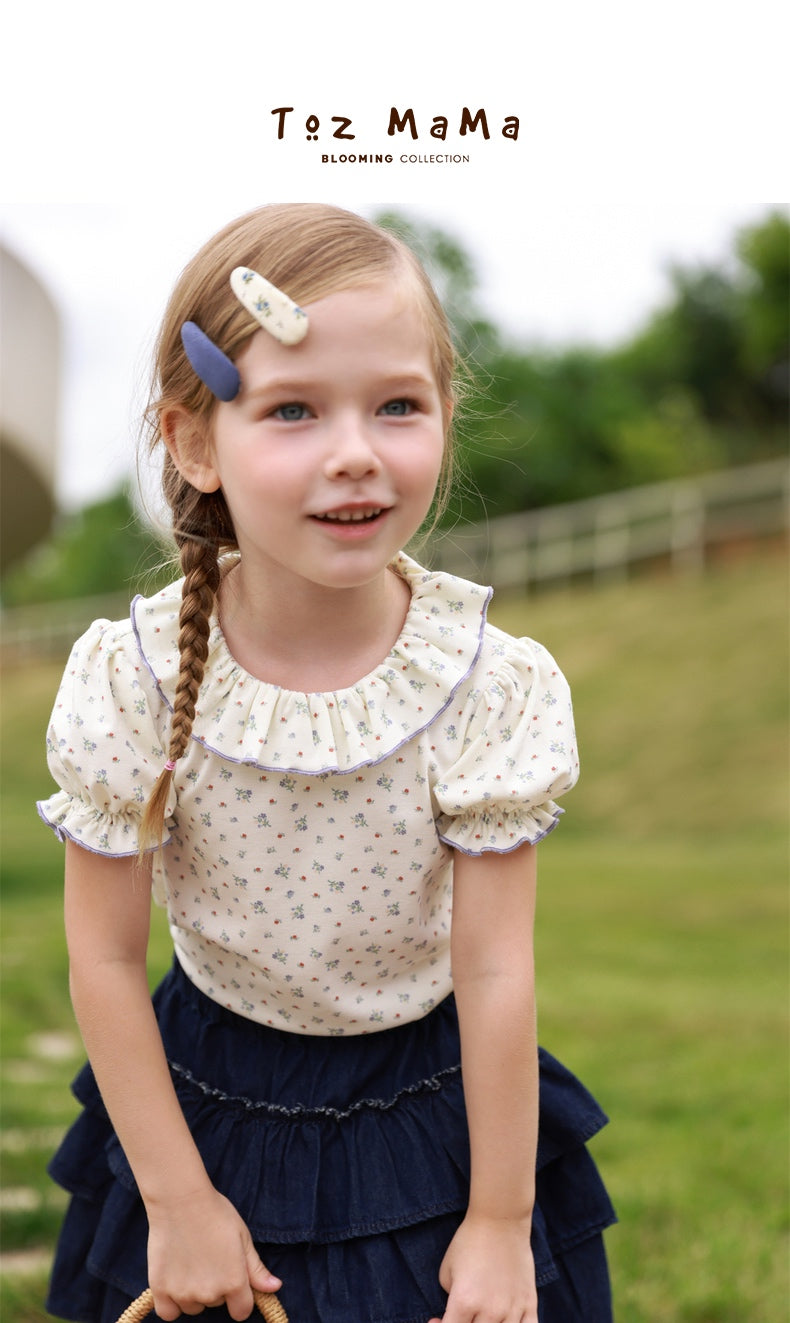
(272, 309)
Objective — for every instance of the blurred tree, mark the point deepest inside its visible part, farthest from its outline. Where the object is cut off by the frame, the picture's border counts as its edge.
(563, 427)
(724, 339)
(695, 342)
(103, 548)
(764, 251)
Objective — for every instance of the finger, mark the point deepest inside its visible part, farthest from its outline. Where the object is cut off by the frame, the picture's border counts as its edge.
(166, 1308)
(457, 1313)
(257, 1272)
(239, 1301)
(239, 1304)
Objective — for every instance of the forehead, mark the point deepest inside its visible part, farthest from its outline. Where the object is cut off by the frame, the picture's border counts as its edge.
(380, 327)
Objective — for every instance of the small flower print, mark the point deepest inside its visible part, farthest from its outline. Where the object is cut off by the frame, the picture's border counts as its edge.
(304, 839)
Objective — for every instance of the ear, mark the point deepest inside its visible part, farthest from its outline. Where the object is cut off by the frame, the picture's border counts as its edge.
(189, 449)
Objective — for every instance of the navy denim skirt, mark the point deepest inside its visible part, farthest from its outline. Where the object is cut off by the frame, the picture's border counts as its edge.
(348, 1158)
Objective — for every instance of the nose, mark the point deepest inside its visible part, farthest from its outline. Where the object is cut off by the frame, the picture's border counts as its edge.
(351, 452)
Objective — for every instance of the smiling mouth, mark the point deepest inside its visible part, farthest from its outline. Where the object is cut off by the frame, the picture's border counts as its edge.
(351, 516)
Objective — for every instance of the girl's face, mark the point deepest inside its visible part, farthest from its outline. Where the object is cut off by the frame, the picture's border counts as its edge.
(329, 456)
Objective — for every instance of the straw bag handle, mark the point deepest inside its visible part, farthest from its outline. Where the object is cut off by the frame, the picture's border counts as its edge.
(268, 1305)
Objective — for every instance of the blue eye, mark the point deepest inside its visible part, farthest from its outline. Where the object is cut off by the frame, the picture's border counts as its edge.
(291, 413)
(397, 408)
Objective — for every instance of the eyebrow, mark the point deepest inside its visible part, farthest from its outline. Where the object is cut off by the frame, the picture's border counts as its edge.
(291, 385)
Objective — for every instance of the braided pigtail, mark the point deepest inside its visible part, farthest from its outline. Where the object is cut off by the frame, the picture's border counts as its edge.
(201, 581)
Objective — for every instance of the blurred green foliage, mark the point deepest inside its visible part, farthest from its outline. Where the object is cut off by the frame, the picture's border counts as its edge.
(103, 548)
(702, 385)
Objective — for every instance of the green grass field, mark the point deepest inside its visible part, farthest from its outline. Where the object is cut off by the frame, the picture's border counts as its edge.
(662, 940)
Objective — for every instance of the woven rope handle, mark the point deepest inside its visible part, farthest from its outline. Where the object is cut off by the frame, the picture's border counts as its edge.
(268, 1305)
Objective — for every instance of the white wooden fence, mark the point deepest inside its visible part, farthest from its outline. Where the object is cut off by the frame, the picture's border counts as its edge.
(680, 522)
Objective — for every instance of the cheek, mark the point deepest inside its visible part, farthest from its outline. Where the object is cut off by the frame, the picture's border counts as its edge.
(433, 458)
(263, 470)
(422, 471)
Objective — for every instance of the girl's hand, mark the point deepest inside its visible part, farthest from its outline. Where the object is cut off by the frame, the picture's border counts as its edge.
(200, 1253)
(488, 1273)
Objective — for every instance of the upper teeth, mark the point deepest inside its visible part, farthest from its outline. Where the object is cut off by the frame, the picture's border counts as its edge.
(352, 516)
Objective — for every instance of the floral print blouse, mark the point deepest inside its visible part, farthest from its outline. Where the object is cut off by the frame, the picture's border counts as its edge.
(307, 869)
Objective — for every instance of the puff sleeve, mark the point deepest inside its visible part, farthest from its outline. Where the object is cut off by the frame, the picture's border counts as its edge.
(104, 743)
(518, 752)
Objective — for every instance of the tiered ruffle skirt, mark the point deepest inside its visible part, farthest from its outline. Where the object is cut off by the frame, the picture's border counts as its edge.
(348, 1158)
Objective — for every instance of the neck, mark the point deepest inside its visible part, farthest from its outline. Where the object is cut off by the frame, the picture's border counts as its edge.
(309, 638)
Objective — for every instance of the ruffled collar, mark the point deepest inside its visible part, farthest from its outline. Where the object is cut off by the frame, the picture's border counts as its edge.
(246, 720)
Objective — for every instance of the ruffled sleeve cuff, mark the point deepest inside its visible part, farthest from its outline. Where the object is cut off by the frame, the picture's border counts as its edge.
(515, 753)
(104, 747)
(499, 829)
(73, 819)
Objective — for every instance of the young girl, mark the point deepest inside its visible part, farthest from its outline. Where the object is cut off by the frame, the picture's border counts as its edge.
(334, 773)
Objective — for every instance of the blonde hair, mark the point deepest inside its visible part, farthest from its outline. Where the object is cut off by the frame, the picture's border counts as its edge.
(310, 251)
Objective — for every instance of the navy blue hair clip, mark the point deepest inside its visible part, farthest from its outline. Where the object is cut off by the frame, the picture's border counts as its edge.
(209, 363)
(272, 309)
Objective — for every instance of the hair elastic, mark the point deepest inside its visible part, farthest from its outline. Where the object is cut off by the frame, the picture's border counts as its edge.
(170, 765)
(272, 309)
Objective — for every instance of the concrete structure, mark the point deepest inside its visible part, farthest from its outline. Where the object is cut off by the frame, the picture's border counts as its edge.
(30, 367)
